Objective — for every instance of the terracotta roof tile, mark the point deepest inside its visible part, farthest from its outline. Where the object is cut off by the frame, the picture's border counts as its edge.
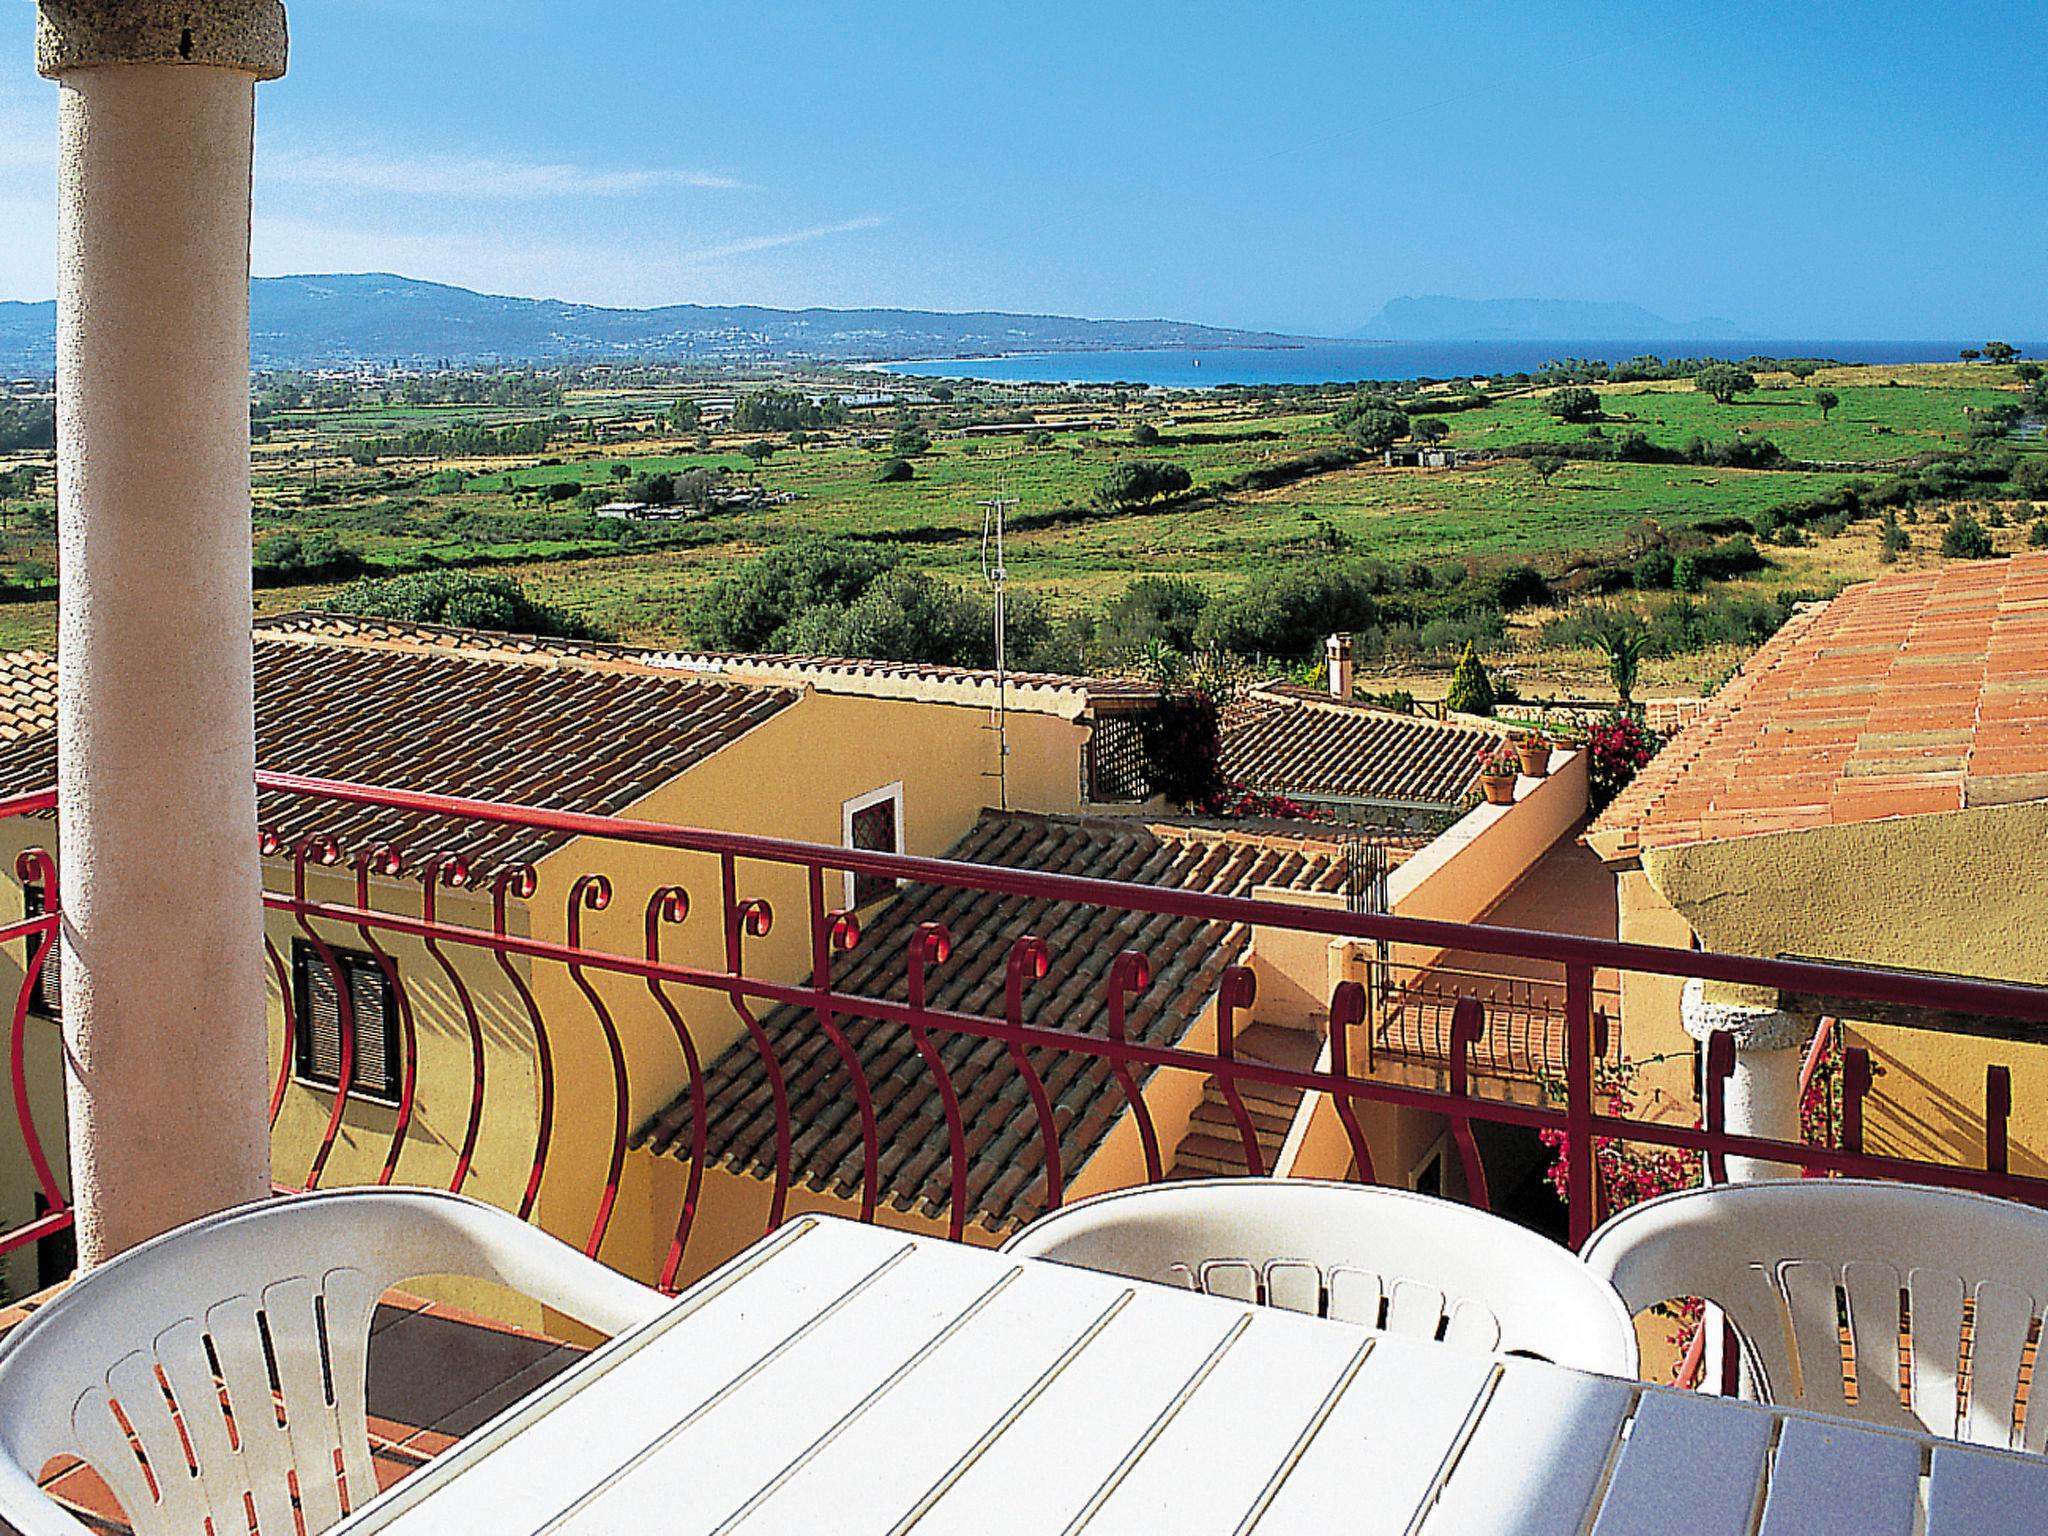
(459, 722)
(1905, 696)
(828, 674)
(1285, 741)
(28, 693)
(1006, 1173)
(1035, 691)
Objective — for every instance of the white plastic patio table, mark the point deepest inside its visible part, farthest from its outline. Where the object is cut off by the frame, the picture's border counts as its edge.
(841, 1380)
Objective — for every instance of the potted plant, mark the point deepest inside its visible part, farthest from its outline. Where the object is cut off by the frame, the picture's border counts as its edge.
(1498, 766)
(1565, 734)
(1533, 749)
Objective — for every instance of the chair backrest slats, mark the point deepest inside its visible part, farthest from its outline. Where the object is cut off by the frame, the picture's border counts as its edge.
(2000, 1324)
(1872, 1292)
(1934, 1311)
(1793, 1263)
(202, 1410)
(1358, 1254)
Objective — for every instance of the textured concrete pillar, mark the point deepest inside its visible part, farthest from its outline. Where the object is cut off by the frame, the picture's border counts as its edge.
(1763, 1091)
(163, 982)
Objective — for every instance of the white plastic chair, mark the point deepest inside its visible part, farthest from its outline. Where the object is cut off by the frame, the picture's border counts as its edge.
(1914, 1272)
(1356, 1253)
(206, 1314)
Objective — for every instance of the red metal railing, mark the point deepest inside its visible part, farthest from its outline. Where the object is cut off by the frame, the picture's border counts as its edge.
(698, 881)
(1525, 1020)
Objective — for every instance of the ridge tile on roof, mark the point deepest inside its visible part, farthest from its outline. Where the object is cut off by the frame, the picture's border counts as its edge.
(459, 722)
(1911, 695)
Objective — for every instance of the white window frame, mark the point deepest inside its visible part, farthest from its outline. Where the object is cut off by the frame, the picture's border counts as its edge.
(892, 793)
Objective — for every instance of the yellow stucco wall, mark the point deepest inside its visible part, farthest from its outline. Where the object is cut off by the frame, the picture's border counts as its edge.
(788, 778)
(1961, 892)
(1652, 1033)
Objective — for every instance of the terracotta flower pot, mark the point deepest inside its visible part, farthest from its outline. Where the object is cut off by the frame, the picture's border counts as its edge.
(1499, 788)
(1535, 756)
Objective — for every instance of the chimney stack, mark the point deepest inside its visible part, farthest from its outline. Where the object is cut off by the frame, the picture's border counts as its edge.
(1339, 647)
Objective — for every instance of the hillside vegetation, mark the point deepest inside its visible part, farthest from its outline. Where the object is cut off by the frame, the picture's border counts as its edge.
(1658, 498)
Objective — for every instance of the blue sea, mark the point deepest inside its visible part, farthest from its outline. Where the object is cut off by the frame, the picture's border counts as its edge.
(1324, 362)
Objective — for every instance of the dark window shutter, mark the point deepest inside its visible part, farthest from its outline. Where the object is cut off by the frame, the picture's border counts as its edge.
(46, 992)
(374, 1072)
(873, 831)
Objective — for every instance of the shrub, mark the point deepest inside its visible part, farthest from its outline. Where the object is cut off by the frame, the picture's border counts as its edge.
(1892, 540)
(655, 490)
(1732, 557)
(1655, 571)
(1182, 740)
(464, 598)
(1619, 747)
(1138, 481)
(1687, 574)
(1152, 608)
(1471, 691)
(1377, 429)
(2037, 536)
(1235, 801)
(1289, 612)
(1145, 435)
(1965, 539)
(1574, 403)
(745, 610)
(895, 471)
(1520, 586)
(1724, 381)
(283, 559)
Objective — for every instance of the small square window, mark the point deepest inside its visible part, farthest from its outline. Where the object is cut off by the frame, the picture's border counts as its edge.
(317, 1023)
(873, 824)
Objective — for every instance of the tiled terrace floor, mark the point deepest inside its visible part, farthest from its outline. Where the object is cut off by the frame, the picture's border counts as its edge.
(436, 1374)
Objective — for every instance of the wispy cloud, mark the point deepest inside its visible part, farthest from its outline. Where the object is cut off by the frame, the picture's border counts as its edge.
(471, 176)
(750, 243)
(499, 254)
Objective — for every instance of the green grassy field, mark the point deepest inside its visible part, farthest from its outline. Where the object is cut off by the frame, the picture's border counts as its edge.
(639, 579)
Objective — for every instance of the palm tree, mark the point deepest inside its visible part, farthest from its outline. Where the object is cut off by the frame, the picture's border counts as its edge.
(1623, 644)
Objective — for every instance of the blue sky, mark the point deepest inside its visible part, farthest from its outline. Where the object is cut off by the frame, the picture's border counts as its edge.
(1827, 170)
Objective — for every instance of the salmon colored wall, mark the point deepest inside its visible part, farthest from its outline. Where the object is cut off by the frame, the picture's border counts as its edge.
(1456, 879)
(1171, 1094)
(1460, 875)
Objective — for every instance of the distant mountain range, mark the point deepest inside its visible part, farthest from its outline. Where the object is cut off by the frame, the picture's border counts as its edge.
(1433, 317)
(343, 319)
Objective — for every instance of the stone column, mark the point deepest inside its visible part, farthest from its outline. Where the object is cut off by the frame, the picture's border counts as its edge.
(1763, 1091)
(163, 925)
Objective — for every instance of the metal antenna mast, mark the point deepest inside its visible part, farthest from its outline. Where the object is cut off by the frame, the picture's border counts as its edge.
(997, 575)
